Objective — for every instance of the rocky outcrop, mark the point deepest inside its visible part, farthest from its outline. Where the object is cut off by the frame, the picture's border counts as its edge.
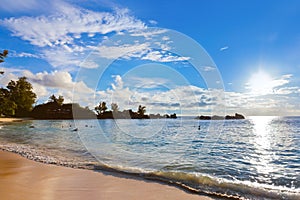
(216, 117)
(52, 110)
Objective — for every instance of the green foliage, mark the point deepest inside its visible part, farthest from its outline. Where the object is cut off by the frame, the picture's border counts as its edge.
(3, 55)
(101, 108)
(59, 100)
(18, 98)
(114, 107)
(7, 107)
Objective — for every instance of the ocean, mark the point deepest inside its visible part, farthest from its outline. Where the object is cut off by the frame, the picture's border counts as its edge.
(255, 158)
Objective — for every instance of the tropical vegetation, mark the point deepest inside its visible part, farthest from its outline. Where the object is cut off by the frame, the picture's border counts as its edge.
(17, 98)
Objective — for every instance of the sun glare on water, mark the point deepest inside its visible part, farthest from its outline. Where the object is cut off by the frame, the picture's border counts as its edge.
(260, 83)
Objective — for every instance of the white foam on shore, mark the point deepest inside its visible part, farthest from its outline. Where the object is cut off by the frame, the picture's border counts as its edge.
(40, 156)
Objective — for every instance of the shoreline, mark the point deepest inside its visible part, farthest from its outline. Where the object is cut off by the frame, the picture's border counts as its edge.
(8, 120)
(21, 178)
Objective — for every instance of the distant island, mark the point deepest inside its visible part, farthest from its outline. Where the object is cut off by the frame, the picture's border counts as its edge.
(55, 109)
(216, 117)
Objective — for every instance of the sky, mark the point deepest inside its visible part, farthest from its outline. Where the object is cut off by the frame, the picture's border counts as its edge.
(188, 57)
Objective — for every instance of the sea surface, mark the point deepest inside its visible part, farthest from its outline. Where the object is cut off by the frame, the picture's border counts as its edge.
(255, 158)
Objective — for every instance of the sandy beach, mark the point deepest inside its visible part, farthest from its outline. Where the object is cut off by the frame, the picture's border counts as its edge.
(21, 178)
(6, 120)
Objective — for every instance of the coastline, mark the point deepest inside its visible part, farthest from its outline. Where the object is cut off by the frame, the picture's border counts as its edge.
(21, 178)
(8, 120)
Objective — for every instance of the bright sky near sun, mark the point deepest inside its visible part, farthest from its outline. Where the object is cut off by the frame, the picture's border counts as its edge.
(144, 52)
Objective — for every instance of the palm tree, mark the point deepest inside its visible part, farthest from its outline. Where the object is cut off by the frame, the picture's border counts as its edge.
(141, 110)
(101, 108)
(114, 107)
(59, 100)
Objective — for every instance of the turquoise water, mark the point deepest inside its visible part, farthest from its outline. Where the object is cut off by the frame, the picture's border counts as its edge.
(256, 158)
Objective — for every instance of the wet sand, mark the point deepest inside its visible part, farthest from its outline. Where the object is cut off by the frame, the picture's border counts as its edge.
(24, 179)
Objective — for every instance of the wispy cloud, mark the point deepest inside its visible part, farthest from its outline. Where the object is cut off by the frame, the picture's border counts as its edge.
(68, 23)
(59, 36)
(148, 33)
(147, 83)
(118, 51)
(163, 57)
(153, 22)
(208, 68)
(13, 53)
(224, 48)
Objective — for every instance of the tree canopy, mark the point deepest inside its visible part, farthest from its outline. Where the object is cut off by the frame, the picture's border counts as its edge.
(59, 100)
(7, 107)
(3, 55)
(141, 110)
(101, 108)
(17, 99)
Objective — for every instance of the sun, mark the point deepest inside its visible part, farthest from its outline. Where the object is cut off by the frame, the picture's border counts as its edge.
(260, 83)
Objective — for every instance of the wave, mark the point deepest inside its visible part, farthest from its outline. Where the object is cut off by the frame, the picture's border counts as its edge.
(45, 156)
(192, 182)
(225, 188)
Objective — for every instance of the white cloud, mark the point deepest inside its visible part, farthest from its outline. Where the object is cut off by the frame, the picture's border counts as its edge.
(148, 33)
(118, 83)
(183, 99)
(7, 77)
(208, 68)
(55, 79)
(128, 50)
(59, 57)
(159, 57)
(224, 48)
(165, 38)
(89, 64)
(142, 51)
(148, 83)
(153, 22)
(56, 82)
(70, 22)
(59, 36)
(287, 90)
(23, 55)
(58, 33)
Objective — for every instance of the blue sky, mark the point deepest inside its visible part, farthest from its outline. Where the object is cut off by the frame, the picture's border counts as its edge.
(188, 57)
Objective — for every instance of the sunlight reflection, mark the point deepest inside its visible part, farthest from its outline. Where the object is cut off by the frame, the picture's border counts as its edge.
(262, 144)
